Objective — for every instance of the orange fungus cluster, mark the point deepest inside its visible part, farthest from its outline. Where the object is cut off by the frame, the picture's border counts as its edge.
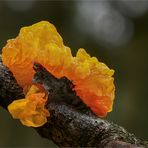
(42, 43)
(31, 110)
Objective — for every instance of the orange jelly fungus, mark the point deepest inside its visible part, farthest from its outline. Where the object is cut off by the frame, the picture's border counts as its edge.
(31, 110)
(41, 43)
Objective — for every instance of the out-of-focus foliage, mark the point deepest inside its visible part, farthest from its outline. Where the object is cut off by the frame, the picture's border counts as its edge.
(114, 31)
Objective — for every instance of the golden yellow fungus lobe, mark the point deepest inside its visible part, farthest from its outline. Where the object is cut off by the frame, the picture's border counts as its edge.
(93, 83)
(37, 43)
(42, 43)
(31, 110)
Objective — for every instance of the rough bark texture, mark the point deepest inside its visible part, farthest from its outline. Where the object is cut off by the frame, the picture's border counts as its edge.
(9, 89)
(71, 123)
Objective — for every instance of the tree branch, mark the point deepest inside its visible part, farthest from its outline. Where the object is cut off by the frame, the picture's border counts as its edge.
(71, 123)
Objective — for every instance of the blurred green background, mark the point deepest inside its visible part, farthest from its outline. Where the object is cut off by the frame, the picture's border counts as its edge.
(115, 31)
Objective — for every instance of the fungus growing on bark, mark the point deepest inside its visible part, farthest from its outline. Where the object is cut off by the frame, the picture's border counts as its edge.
(41, 43)
(31, 110)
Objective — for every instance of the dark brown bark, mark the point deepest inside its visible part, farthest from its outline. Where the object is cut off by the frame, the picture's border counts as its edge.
(71, 123)
(9, 89)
